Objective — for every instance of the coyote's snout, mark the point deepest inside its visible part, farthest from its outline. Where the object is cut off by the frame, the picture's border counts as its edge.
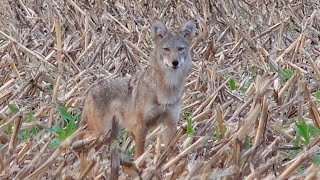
(148, 98)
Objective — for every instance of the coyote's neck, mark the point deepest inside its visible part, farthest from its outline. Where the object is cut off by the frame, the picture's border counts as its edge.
(169, 85)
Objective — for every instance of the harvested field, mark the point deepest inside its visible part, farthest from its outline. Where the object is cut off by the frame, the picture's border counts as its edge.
(251, 104)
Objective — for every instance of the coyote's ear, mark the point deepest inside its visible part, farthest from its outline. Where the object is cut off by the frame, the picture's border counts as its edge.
(158, 30)
(188, 30)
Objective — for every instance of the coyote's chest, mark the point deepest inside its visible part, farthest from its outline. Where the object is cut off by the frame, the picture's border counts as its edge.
(153, 112)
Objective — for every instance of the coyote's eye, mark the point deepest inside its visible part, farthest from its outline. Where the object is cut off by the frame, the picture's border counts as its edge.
(166, 49)
(180, 49)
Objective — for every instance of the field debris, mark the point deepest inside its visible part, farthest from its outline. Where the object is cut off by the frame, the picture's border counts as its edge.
(251, 104)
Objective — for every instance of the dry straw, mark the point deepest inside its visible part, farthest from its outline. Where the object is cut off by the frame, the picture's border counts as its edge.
(51, 51)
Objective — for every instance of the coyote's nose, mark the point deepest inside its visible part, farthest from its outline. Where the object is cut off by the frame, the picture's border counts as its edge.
(175, 63)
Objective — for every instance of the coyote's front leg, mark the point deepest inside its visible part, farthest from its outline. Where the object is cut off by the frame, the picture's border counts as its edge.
(170, 121)
(139, 137)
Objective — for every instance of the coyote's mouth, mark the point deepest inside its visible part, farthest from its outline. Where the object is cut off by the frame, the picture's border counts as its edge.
(172, 67)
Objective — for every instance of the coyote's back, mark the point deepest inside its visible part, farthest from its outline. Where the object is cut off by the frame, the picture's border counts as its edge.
(148, 98)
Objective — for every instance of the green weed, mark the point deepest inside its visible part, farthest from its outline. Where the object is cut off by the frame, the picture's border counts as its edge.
(316, 159)
(317, 95)
(14, 110)
(248, 142)
(254, 70)
(122, 138)
(49, 87)
(66, 128)
(286, 74)
(190, 129)
(232, 85)
(304, 133)
(28, 133)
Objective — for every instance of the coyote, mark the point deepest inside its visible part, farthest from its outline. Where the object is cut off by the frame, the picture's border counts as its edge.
(148, 98)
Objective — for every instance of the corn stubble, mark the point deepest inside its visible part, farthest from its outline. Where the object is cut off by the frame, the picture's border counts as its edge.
(52, 51)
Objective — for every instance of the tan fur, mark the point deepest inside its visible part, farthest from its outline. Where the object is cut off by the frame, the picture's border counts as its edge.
(148, 98)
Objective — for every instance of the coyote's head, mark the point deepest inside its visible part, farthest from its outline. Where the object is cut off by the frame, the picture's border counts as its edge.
(172, 50)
